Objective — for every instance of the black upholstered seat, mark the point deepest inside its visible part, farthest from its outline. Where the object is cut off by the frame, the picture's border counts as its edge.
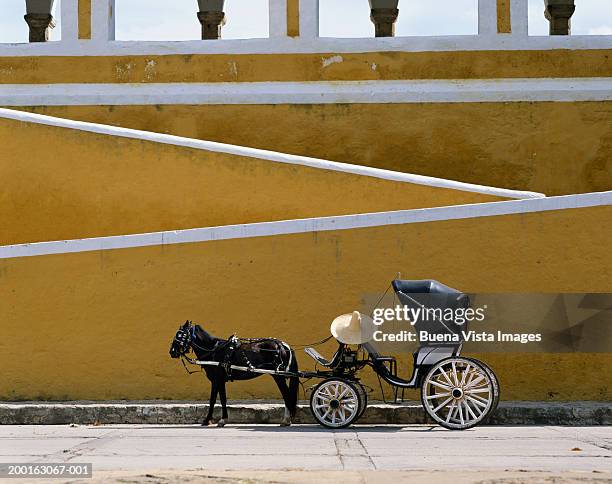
(425, 286)
(432, 295)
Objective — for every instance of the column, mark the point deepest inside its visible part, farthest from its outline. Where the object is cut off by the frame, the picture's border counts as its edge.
(559, 14)
(383, 14)
(211, 17)
(39, 19)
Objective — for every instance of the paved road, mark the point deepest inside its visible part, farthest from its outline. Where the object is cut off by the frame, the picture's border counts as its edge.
(136, 448)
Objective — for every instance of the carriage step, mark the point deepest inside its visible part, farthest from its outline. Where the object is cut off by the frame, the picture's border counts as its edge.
(315, 355)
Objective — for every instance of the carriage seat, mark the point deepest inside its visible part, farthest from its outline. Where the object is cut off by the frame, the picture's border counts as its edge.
(427, 286)
(315, 355)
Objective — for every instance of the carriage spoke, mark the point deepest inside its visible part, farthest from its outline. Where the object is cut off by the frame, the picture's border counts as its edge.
(440, 385)
(480, 399)
(455, 373)
(328, 393)
(480, 404)
(437, 395)
(465, 373)
(446, 376)
(435, 410)
(478, 390)
(451, 411)
(461, 413)
(477, 411)
(470, 411)
(475, 381)
(473, 373)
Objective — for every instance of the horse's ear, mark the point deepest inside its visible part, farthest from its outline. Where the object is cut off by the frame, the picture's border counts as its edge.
(186, 325)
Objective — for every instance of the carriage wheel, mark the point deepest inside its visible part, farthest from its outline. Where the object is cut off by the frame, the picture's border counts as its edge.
(496, 386)
(335, 403)
(363, 399)
(458, 393)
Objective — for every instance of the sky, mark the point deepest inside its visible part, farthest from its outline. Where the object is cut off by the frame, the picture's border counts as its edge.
(176, 19)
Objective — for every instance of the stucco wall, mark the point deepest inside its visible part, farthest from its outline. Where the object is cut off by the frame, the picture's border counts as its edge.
(355, 66)
(62, 183)
(97, 325)
(550, 147)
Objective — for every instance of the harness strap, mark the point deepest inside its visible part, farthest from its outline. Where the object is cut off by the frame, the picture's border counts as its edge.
(183, 358)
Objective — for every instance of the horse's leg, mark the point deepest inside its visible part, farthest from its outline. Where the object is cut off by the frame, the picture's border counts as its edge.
(214, 388)
(294, 388)
(282, 386)
(224, 417)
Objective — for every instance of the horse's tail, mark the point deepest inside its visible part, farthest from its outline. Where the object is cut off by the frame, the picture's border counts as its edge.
(294, 385)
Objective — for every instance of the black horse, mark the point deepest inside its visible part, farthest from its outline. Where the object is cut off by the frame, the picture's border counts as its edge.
(263, 354)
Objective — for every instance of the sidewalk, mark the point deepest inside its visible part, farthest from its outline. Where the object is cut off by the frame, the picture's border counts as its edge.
(262, 412)
(348, 477)
(190, 452)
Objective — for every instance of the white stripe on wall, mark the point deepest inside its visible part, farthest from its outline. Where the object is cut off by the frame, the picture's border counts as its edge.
(319, 224)
(358, 92)
(322, 45)
(262, 154)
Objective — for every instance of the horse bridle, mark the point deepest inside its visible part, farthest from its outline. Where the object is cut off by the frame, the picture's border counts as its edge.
(185, 339)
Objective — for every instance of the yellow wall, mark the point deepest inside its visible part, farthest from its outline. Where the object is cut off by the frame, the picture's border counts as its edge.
(306, 67)
(61, 183)
(293, 18)
(504, 24)
(98, 325)
(84, 7)
(549, 147)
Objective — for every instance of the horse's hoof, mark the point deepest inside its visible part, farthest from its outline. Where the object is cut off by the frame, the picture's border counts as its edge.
(206, 423)
(221, 423)
(285, 424)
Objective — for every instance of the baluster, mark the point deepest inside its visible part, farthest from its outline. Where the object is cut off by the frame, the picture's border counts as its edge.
(39, 19)
(383, 14)
(559, 14)
(212, 18)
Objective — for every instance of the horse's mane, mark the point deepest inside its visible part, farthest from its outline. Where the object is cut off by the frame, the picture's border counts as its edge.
(202, 334)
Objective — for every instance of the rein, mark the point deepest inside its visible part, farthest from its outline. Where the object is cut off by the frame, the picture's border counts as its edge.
(193, 362)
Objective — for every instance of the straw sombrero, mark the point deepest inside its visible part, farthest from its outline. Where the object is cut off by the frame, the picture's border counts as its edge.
(352, 328)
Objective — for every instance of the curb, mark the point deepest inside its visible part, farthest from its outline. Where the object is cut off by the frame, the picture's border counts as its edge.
(260, 412)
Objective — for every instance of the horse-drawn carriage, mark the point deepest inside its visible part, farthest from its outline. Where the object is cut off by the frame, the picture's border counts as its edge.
(456, 392)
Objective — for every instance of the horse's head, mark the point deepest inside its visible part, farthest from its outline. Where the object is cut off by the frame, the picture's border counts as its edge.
(182, 341)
